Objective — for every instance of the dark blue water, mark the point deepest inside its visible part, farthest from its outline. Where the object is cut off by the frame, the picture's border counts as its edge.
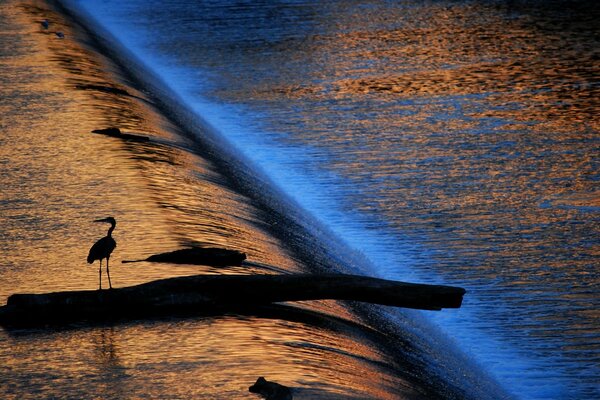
(443, 141)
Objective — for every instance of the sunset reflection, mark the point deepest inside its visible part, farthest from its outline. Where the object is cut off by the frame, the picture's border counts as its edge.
(463, 134)
(59, 177)
(453, 142)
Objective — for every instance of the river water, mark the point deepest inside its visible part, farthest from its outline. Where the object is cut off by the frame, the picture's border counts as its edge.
(442, 141)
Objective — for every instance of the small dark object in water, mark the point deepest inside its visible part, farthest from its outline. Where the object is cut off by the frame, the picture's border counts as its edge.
(116, 132)
(199, 256)
(105, 89)
(45, 24)
(108, 131)
(60, 35)
(271, 390)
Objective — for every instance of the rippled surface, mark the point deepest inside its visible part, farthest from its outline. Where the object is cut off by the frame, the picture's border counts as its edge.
(57, 177)
(165, 193)
(446, 141)
(192, 359)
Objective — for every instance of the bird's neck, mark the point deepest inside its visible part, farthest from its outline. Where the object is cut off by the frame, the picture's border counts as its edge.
(110, 230)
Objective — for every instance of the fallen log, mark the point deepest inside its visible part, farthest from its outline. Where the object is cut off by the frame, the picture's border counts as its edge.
(210, 294)
(212, 256)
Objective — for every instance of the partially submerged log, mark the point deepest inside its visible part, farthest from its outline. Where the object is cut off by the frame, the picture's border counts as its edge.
(210, 294)
(103, 88)
(213, 256)
(116, 133)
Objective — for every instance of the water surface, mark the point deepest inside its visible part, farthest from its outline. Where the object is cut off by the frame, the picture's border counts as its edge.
(450, 142)
(166, 193)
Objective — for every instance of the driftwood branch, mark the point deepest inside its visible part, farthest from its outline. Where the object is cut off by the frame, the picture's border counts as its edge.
(213, 256)
(221, 293)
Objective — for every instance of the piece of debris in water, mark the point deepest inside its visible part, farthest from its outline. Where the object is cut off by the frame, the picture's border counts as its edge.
(116, 132)
(212, 256)
(271, 390)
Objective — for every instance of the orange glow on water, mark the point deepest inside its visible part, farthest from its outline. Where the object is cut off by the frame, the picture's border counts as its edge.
(73, 177)
(60, 177)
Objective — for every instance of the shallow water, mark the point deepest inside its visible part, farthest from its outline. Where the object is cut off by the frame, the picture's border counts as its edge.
(165, 193)
(450, 142)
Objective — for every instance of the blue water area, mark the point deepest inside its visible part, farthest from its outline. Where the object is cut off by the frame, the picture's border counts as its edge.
(442, 141)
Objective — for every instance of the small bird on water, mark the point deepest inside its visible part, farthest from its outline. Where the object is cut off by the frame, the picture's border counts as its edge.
(103, 249)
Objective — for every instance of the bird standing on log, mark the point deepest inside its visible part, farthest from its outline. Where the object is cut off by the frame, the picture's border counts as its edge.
(103, 249)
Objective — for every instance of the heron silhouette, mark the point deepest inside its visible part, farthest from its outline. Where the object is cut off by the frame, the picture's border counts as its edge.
(103, 249)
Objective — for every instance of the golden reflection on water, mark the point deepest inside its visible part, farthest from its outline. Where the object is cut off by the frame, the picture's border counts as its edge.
(482, 182)
(58, 177)
(462, 50)
(488, 118)
(62, 176)
(209, 358)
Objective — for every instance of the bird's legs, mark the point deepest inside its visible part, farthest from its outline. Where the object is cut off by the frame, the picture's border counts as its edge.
(100, 276)
(108, 273)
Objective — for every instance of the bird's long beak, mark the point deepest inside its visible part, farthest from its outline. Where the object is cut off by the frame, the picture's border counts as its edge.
(101, 220)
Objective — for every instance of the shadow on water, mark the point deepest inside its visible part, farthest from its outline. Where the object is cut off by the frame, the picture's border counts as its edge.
(108, 361)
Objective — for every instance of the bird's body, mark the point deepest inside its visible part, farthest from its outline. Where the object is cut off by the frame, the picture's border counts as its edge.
(103, 248)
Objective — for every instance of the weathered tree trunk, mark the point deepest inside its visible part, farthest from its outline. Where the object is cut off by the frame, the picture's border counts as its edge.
(220, 293)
